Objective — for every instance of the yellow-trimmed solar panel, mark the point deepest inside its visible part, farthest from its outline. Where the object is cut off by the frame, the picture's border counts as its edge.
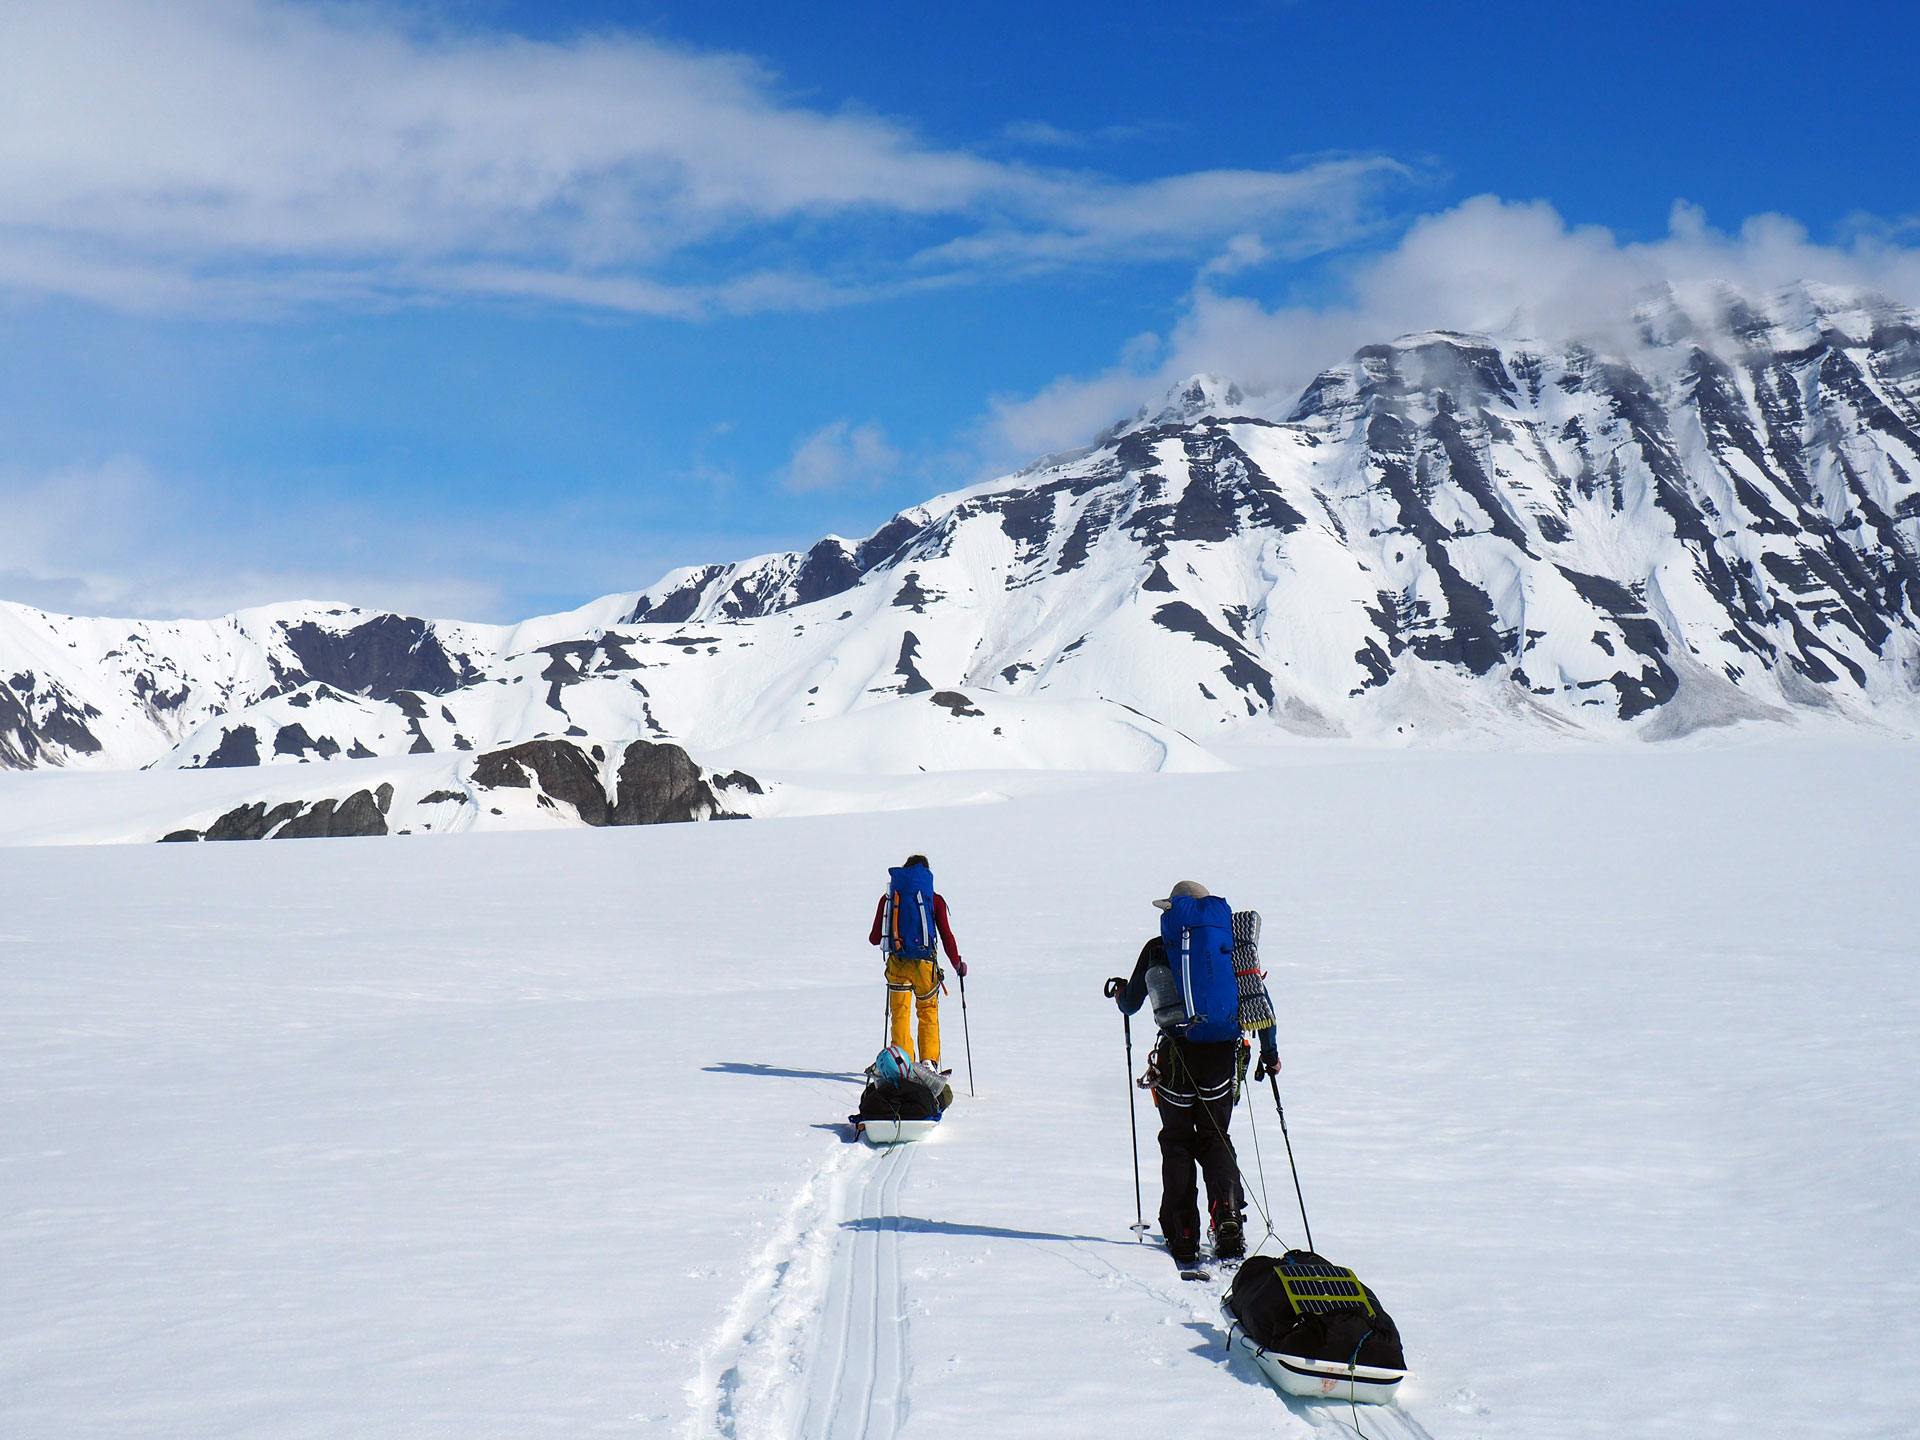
(1322, 1289)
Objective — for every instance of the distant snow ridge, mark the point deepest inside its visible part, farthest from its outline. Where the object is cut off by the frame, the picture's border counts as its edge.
(1448, 536)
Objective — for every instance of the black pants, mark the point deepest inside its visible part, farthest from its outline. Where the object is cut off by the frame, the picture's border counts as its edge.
(1195, 1097)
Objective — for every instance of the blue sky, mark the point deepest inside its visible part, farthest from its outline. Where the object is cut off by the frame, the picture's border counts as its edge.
(486, 308)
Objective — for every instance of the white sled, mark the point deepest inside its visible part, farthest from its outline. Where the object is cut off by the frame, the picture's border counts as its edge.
(1315, 1379)
(895, 1132)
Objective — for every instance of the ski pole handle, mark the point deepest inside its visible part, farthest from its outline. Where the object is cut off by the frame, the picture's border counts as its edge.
(1113, 987)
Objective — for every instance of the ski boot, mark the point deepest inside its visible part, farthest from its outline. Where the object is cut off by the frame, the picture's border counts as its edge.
(1229, 1238)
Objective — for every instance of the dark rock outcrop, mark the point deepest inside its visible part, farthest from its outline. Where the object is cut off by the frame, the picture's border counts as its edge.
(959, 704)
(738, 780)
(659, 784)
(238, 746)
(656, 784)
(558, 769)
(377, 658)
(912, 682)
(358, 815)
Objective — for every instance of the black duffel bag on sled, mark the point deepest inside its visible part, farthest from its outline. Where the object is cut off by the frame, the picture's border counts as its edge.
(895, 1102)
(903, 1101)
(1313, 1328)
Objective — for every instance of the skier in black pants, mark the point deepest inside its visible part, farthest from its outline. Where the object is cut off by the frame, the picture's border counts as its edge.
(1193, 1086)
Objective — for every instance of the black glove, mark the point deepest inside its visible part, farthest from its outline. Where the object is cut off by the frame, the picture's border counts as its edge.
(1269, 1064)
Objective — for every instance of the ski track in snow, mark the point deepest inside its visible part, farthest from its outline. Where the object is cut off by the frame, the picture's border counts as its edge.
(857, 1386)
(1374, 1422)
(817, 1280)
(737, 1393)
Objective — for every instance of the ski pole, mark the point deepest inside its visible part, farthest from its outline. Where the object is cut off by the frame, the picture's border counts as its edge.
(1114, 987)
(1274, 1081)
(967, 1032)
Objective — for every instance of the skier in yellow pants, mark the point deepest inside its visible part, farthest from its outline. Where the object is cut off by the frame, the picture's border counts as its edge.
(907, 923)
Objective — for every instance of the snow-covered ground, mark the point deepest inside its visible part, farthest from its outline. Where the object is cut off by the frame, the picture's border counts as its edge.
(1599, 1068)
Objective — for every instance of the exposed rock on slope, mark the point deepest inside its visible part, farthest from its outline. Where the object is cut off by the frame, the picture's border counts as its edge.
(359, 814)
(554, 781)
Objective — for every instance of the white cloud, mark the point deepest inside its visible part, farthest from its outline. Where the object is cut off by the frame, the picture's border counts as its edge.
(113, 539)
(840, 456)
(1063, 415)
(1242, 252)
(1485, 265)
(1043, 134)
(1306, 211)
(117, 539)
(243, 154)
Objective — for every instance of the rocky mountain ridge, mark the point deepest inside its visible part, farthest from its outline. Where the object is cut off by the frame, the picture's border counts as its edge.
(1448, 535)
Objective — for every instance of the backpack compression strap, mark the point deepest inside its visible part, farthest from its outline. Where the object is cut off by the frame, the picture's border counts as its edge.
(1186, 970)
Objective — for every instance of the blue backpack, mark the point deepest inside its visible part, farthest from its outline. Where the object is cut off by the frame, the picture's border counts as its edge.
(1198, 935)
(908, 923)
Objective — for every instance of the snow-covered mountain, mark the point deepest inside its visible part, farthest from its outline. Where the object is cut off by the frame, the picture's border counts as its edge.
(1448, 535)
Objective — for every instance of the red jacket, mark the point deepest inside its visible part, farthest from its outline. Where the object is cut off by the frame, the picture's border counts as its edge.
(939, 922)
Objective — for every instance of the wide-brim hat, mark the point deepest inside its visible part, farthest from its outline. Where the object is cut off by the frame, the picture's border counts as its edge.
(1185, 890)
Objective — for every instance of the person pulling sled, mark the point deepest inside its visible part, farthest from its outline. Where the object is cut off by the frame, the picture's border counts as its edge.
(911, 922)
(1206, 990)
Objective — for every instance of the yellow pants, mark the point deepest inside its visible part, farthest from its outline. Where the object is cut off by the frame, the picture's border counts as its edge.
(913, 986)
